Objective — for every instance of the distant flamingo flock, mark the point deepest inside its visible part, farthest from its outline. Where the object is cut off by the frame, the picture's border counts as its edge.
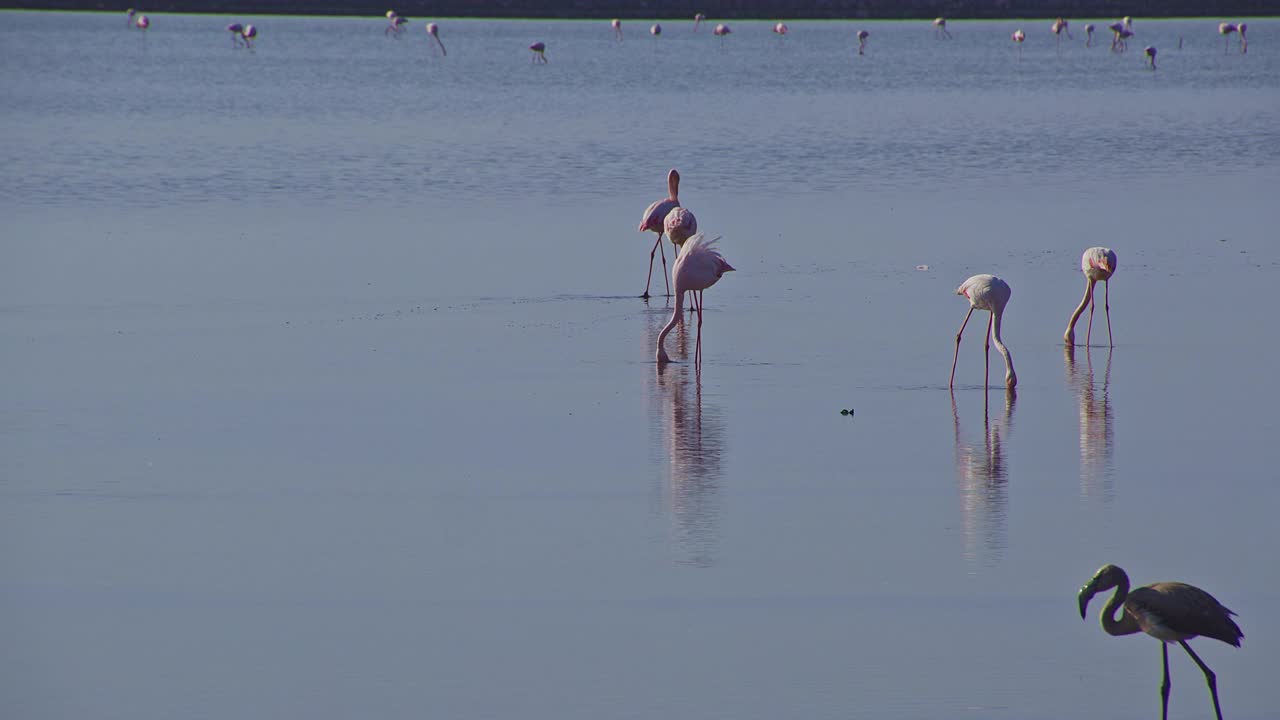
(243, 35)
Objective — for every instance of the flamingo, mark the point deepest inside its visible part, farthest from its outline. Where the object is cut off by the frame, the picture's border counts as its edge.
(128, 16)
(699, 267)
(654, 217)
(1121, 33)
(143, 22)
(616, 24)
(1167, 611)
(1150, 52)
(237, 32)
(697, 20)
(1097, 264)
(1088, 31)
(250, 32)
(396, 26)
(862, 40)
(1059, 26)
(434, 31)
(720, 31)
(1018, 36)
(539, 52)
(656, 30)
(940, 28)
(680, 225)
(780, 29)
(1244, 40)
(990, 293)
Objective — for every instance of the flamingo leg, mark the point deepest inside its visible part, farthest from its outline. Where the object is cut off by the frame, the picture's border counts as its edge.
(1106, 300)
(1089, 332)
(986, 354)
(956, 357)
(1209, 677)
(664, 265)
(1164, 684)
(665, 276)
(697, 353)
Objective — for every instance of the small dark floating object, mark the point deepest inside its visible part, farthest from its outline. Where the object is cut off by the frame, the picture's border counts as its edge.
(846, 412)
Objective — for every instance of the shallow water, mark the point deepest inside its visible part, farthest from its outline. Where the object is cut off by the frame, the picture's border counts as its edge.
(329, 393)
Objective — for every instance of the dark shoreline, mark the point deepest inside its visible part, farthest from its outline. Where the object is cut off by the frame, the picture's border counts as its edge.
(684, 9)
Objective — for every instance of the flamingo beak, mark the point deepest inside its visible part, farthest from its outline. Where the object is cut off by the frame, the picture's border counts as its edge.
(1086, 594)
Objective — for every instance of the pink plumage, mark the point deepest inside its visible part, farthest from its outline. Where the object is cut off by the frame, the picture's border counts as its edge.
(990, 293)
(679, 224)
(699, 266)
(652, 221)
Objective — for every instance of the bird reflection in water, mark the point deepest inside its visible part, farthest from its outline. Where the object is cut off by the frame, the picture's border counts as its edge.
(984, 482)
(1097, 434)
(693, 440)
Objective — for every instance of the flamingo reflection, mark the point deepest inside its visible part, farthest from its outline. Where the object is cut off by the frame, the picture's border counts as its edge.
(1097, 425)
(984, 483)
(693, 440)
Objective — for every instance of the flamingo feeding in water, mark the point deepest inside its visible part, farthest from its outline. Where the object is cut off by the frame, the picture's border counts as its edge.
(1088, 35)
(699, 267)
(1098, 265)
(720, 31)
(656, 30)
(862, 41)
(143, 22)
(1150, 52)
(990, 293)
(680, 225)
(128, 16)
(396, 26)
(434, 31)
(237, 34)
(653, 220)
(1060, 26)
(1167, 611)
(780, 29)
(539, 52)
(250, 32)
(1244, 39)
(616, 24)
(1018, 36)
(697, 20)
(1225, 29)
(940, 28)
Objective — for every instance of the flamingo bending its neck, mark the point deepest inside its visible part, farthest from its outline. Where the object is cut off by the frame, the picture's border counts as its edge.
(990, 293)
(616, 24)
(699, 267)
(940, 27)
(434, 31)
(1098, 265)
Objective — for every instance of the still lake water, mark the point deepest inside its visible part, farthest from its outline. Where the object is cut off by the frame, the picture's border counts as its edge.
(328, 393)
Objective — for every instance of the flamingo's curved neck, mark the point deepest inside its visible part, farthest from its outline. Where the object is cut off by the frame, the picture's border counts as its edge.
(675, 318)
(673, 188)
(1127, 624)
(1011, 377)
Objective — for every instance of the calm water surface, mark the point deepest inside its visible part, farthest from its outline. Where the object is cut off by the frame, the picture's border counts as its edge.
(328, 393)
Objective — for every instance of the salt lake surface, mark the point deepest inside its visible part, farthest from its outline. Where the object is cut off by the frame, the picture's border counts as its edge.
(328, 393)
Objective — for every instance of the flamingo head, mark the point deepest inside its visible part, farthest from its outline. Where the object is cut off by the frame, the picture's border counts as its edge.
(1107, 577)
(673, 184)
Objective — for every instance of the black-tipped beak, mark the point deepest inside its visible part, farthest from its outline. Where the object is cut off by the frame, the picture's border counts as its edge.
(1086, 594)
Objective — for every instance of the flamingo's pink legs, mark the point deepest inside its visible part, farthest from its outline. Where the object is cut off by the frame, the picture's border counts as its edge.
(657, 247)
(697, 351)
(1106, 303)
(956, 358)
(986, 355)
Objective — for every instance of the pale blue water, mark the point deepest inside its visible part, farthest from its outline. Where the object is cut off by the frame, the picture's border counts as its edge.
(328, 393)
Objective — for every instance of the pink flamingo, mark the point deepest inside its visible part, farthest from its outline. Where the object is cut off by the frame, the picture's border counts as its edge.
(1225, 29)
(699, 267)
(780, 29)
(1097, 264)
(1088, 32)
(862, 41)
(653, 220)
(1244, 40)
(434, 31)
(697, 20)
(680, 225)
(396, 26)
(539, 52)
(720, 31)
(1150, 52)
(990, 293)
(236, 30)
(250, 32)
(1018, 36)
(1060, 26)
(940, 28)
(143, 22)
(616, 24)
(656, 30)
(128, 17)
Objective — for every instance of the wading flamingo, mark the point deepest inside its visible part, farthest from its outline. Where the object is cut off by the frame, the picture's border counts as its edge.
(680, 225)
(128, 17)
(1225, 29)
(539, 52)
(1150, 52)
(699, 267)
(1088, 35)
(616, 24)
(656, 30)
(250, 32)
(697, 20)
(862, 41)
(720, 31)
(1018, 36)
(1167, 611)
(652, 220)
(434, 31)
(1097, 264)
(990, 293)
(1060, 26)
(780, 29)
(940, 28)
(237, 33)
(143, 22)
(1120, 34)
